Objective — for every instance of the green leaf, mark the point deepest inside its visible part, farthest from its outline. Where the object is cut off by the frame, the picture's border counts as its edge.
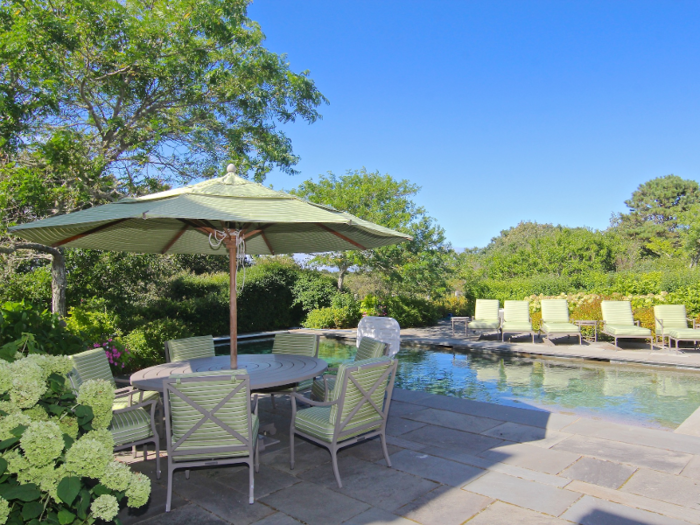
(8, 443)
(3, 465)
(100, 490)
(55, 409)
(83, 504)
(32, 510)
(28, 492)
(68, 441)
(68, 489)
(18, 431)
(65, 517)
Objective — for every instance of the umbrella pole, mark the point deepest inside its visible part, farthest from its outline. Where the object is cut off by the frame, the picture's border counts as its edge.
(231, 245)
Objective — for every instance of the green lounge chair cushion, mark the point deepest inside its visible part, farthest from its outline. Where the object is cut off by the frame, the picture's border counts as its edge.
(627, 330)
(295, 344)
(672, 315)
(516, 311)
(191, 348)
(560, 328)
(687, 334)
(486, 309)
(617, 313)
(514, 326)
(555, 311)
(480, 324)
(123, 402)
(131, 426)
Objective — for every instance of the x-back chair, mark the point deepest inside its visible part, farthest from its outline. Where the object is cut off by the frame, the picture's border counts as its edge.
(209, 422)
(357, 410)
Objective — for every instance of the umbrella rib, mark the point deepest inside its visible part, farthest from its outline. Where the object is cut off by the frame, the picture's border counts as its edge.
(89, 232)
(269, 246)
(175, 238)
(330, 230)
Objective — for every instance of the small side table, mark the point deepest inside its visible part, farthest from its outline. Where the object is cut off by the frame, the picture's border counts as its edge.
(464, 320)
(592, 323)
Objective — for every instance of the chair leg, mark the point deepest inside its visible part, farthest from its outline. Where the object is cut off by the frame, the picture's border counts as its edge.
(251, 482)
(272, 399)
(291, 449)
(382, 438)
(170, 488)
(334, 458)
(145, 451)
(187, 474)
(157, 442)
(257, 455)
(133, 452)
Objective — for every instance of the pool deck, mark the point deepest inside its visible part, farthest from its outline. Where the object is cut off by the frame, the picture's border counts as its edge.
(454, 461)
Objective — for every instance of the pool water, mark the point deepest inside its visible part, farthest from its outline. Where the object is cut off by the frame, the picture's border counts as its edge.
(656, 397)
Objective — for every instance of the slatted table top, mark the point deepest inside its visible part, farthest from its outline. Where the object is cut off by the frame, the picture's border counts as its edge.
(265, 370)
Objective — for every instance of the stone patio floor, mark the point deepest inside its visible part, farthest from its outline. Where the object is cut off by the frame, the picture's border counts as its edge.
(454, 461)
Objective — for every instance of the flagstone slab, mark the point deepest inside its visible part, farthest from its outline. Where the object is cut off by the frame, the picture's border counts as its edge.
(534, 458)
(186, 516)
(279, 518)
(523, 493)
(506, 514)
(665, 487)
(268, 480)
(315, 505)
(445, 506)
(306, 456)
(653, 458)
(376, 516)
(541, 437)
(592, 511)
(399, 425)
(449, 438)
(372, 483)
(433, 468)
(599, 472)
(692, 470)
(445, 418)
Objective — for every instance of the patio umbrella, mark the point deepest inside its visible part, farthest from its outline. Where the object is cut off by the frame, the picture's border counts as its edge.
(224, 216)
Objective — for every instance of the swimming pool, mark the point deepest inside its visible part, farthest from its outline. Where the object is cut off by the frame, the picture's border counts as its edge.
(651, 396)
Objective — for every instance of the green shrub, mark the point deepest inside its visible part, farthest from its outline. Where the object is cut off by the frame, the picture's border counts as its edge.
(456, 306)
(344, 313)
(412, 311)
(320, 318)
(92, 321)
(146, 343)
(313, 290)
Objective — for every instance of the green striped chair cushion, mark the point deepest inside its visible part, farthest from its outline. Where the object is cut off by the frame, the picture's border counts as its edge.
(370, 348)
(296, 344)
(516, 312)
(216, 455)
(92, 364)
(617, 313)
(131, 426)
(482, 324)
(235, 413)
(629, 330)
(123, 402)
(191, 348)
(303, 386)
(555, 311)
(687, 334)
(672, 316)
(516, 326)
(318, 388)
(486, 309)
(370, 370)
(560, 328)
(315, 421)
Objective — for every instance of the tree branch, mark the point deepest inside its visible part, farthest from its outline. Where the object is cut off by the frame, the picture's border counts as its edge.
(30, 246)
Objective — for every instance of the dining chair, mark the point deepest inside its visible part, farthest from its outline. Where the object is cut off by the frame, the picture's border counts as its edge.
(189, 348)
(209, 422)
(294, 344)
(357, 410)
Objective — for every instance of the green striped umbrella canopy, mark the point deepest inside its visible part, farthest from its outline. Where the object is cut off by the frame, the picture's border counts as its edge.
(220, 216)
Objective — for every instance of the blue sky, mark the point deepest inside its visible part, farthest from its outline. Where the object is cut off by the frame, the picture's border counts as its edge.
(501, 111)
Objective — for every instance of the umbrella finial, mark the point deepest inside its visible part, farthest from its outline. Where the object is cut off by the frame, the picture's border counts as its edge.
(231, 169)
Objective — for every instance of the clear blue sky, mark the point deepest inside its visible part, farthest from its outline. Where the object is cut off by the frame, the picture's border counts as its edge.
(502, 111)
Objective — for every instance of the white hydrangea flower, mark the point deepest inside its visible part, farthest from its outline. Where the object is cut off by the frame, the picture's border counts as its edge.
(88, 457)
(42, 443)
(98, 394)
(4, 510)
(139, 490)
(9, 423)
(105, 507)
(117, 476)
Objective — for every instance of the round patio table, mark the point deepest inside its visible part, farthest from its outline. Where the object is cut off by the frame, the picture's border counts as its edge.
(265, 370)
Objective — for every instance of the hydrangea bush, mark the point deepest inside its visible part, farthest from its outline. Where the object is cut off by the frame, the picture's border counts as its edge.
(56, 459)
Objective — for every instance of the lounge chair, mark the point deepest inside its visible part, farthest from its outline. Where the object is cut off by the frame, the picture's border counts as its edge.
(357, 411)
(209, 422)
(189, 348)
(486, 316)
(672, 322)
(294, 344)
(619, 323)
(134, 411)
(555, 320)
(516, 319)
(369, 349)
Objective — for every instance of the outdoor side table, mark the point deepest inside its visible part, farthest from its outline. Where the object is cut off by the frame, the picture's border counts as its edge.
(464, 320)
(265, 370)
(592, 323)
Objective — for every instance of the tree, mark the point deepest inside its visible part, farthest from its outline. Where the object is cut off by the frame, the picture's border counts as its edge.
(417, 266)
(105, 98)
(655, 208)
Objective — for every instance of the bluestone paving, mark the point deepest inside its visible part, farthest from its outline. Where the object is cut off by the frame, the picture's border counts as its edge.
(542, 437)
(523, 493)
(599, 472)
(445, 506)
(506, 514)
(445, 418)
(306, 456)
(433, 468)
(278, 518)
(643, 456)
(266, 481)
(592, 511)
(372, 483)
(665, 487)
(530, 457)
(449, 438)
(692, 470)
(376, 516)
(186, 515)
(400, 425)
(315, 505)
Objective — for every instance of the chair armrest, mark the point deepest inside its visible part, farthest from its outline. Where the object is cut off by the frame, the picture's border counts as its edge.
(141, 404)
(121, 381)
(255, 404)
(296, 396)
(637, 322)
(129, 392)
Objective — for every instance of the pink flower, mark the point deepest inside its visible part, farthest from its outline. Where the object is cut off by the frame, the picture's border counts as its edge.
(122, 365)
(109, 340)
(96, 345)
